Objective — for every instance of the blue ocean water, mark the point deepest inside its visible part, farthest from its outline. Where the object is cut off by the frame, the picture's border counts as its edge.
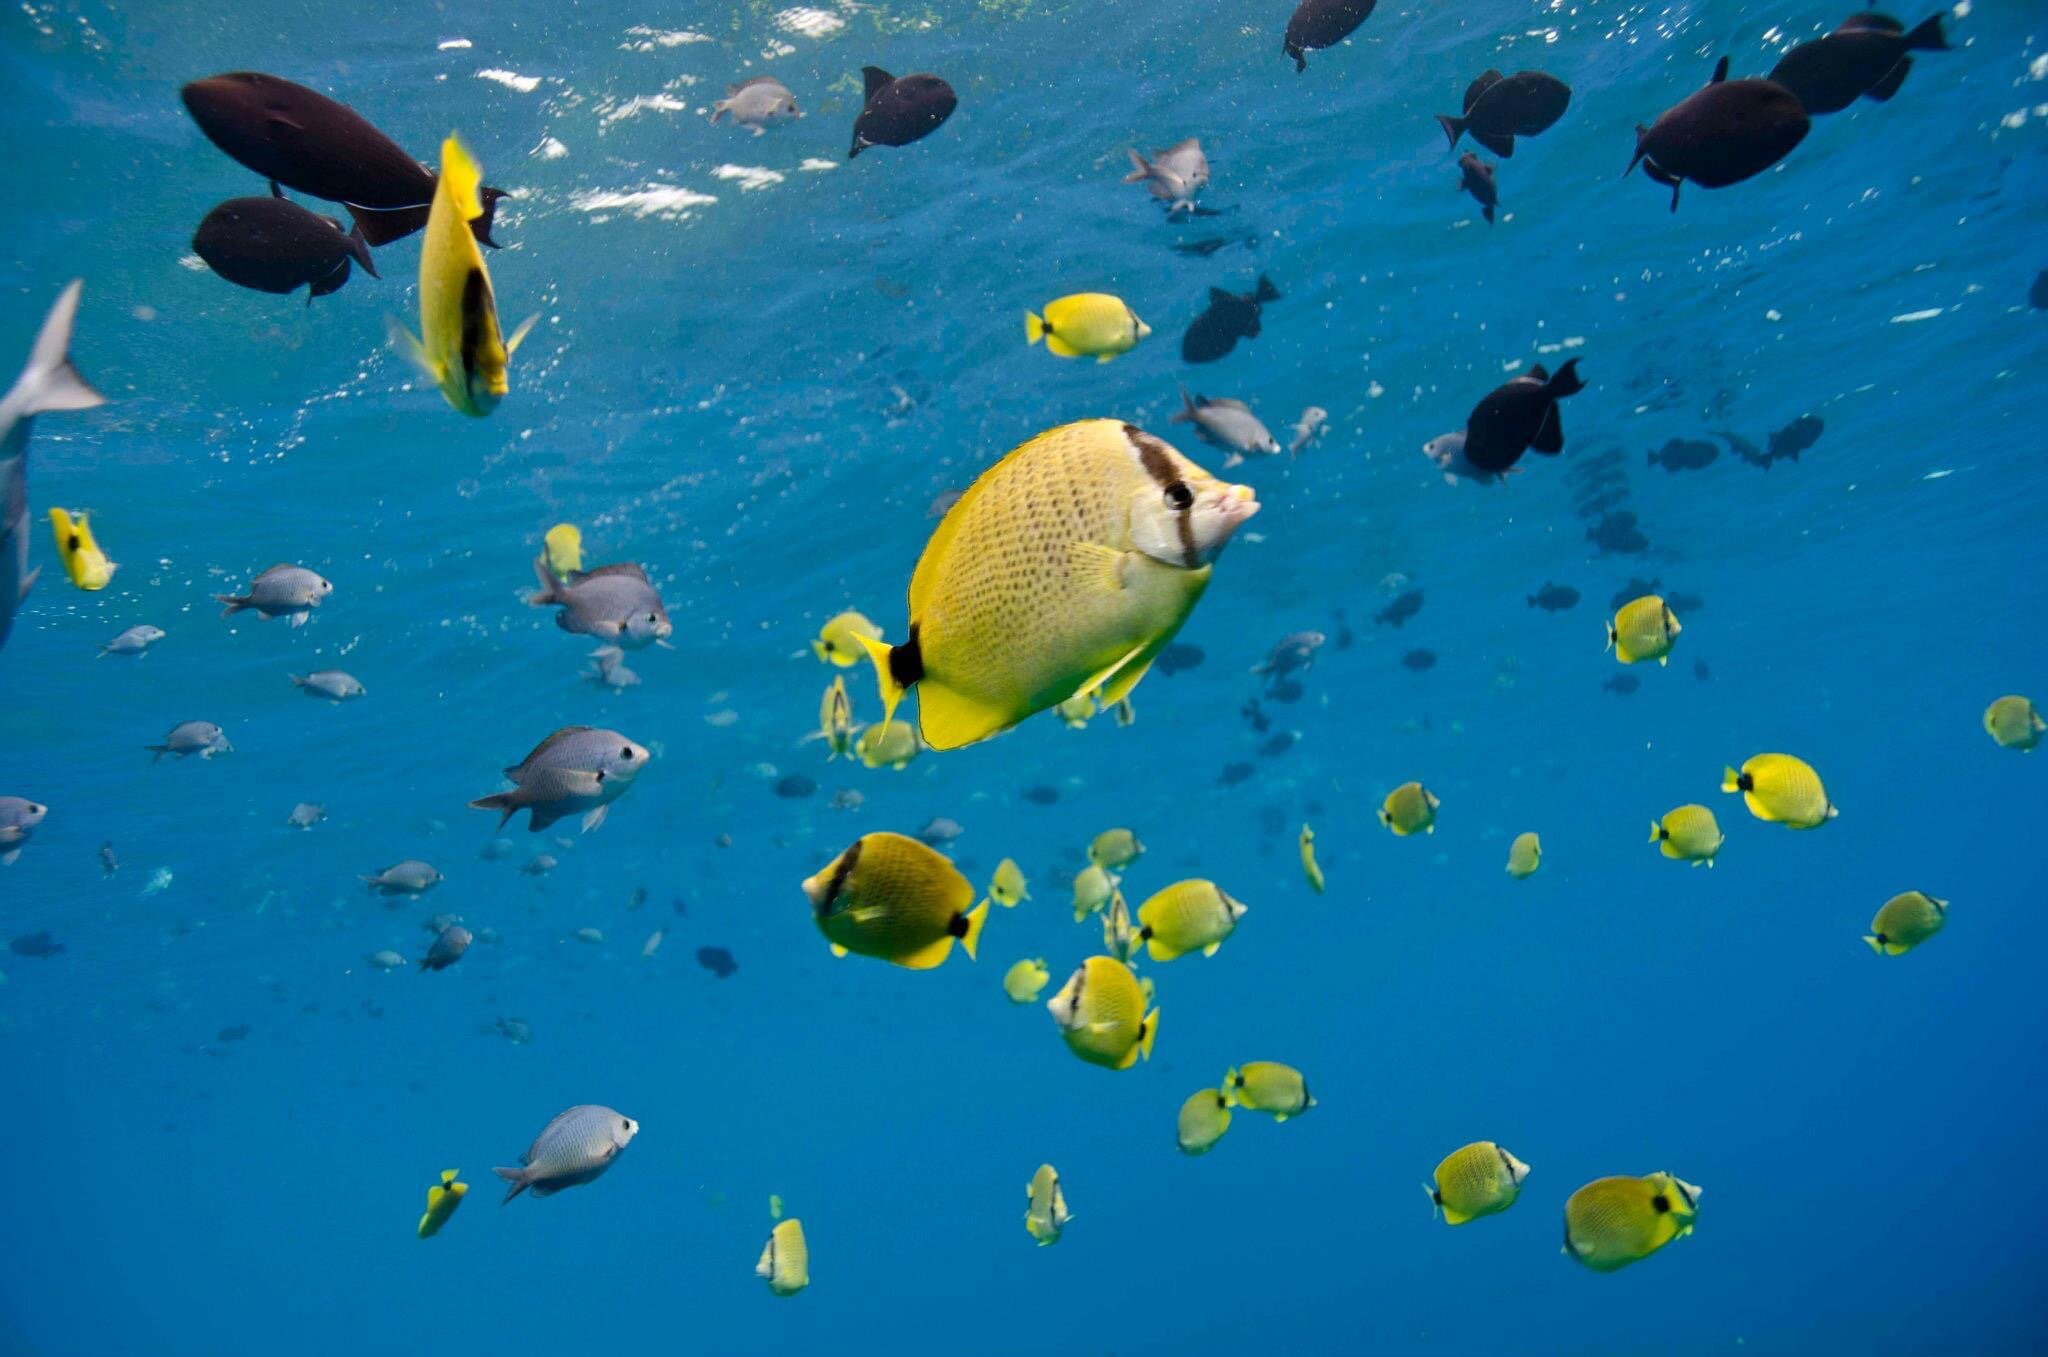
(758, 366)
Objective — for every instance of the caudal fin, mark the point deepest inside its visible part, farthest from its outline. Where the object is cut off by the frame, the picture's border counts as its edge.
(971, 938)
(1565, 381)
(48, 381)
(1266, 291)
(506, 804)
(1034, 327)
(1186, 415)
(1141, 169)
(896, 668)
(481, 226)
(1927, 36)
(235, 603)
(1453, 128)
(550, 591)
(516, 1177)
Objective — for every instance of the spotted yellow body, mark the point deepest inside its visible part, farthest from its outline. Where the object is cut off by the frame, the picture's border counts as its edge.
(1781, 789)
(891, 897)
(1612, 1222)
(1904, 922)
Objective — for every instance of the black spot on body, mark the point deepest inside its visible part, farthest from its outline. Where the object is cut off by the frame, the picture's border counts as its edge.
(1661, 1203)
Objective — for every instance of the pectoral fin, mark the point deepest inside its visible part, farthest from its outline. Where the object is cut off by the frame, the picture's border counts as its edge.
(403, 340)
(519, 335)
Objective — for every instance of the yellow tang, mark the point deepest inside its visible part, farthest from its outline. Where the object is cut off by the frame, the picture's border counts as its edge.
(1188, 916)
(1119, 939)
(1065, 569)
(1268, 1086)
(2013, 722)
(442, 1199)
(1904, 922)
(835, 719)
(1525, 855)
(564, 544)
(836, 643)
(1204, 1117)
(1688, 833)
(1092, 889)
(83, 560)
(1781, 788)
(1410, 807)
(1115, 849)
(1086, 324)
(1612, 1222)
(459, 347)
(1098, 1010)
(786, 1262)
(891, 897)
(1480, 1179)
(1007, 886)
(893, 745)
(1023, 981)
(1309, 866)
(1644, 629)
(1075, 711)
(1047, 1214)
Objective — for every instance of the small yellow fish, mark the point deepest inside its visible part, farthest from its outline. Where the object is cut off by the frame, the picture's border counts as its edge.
(1204, 1117)
(1525, 855)
(775, 1206)
(835, 720)
(893, 745)
(2013, 722)
(1310, 868)
(1688, 833)
(1188, 916)
(1644, 629)
(1007, 886)
(1612, 1222)
(1047, 1214)
(1023, 981)
(786, 1262)
(1904, 922)
(836, 643)
(1119, 938)
(564, 546)
(1097, 1012)
(1781, 788)
(442, 1199)
(83, 560)
(1268, 1086)
(1115, 849)
(891, 897)
(1480, 1179)
(1086, 324)
(1410, 807)
(1093, 888)
(459, 347)
(1076, 710)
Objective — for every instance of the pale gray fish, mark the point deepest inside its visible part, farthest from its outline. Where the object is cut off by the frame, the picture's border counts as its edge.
(939, 830)
(609, 668)
(1228, 424)
(1295, 651)
(1308, 429)
(488, 936)
(1448, 452)
(539, 865)
(133, 641)
(109, 864)
(653, 943)
(756, 103)
(440, 921)
(578, 770)
(514, 1031)
(18, 820)
(495, 849)
(447, 949)
(386, 960)
(306, 814)
(203, 738)
(410, 877)
(614, 603)
(332, 684)
(287, 591)
(573, 1149)
(47, 383)
(1173, 175)
(589, 935)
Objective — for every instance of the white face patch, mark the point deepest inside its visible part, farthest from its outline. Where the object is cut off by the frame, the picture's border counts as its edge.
(1180, 514)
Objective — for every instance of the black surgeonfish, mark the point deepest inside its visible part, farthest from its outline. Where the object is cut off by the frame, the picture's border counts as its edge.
(1865, 58)
(1518, 415)
(274, 245)
(1722, 134)
(1322, 23)
(898, 111)
(1500, 108)
(308, 142)
(1230, 316)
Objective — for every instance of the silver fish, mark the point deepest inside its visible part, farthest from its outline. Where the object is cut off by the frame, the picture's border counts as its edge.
(1228, 424)
(447, 949)
(578, 770)
(133, 641)
(332, 684)
(410, 877)
(940, 830)
(1308, 429)
(756, 103)
(47, 382)
(203, 738)
(540, 865)
(496, 849)
(287, 591)
(592, 935)
(1173, 175)
(18, 819)
(610, 668)
(653, 943)
(614, 603)
(1296, 651)
(573, 1149)
(438, 922)
(386, 960)
(1448, 452)
(306, 814)
(514, 1031)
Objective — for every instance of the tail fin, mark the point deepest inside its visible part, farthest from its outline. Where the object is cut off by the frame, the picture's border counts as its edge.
(505, 805)
(381, 226)
(1229, 1089)
(1613, 636)
(1453, 128)
(235, 603)
(516, 1177)
(1565, 381)
(971, 939)
(462, 176)
(298, 682)
(718, 110)
(1266, 291)
(1487, 212)
(1186, 415)
(1148, 1032)
(157, 751)
(481, 226)
(896, 668)
(1731, 781)
(1876, 944)
(1656, 832)
(1641, 133)
(359, 247)
(48, 381)
(550, 591)
(1435, 1201)
(1035, 328)
(1141, 169)
(1927, 36)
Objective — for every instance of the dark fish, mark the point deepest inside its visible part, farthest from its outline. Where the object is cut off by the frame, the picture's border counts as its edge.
(1684, 454)
(274, 245)
(1178, 658)
(1745, 450)
(1254, 717)
(1285, 690)
(899, 111)
(35, 944)
(1554, 598)
(1687, 604)
(1317, 24)
(1209, 245)
(109, 864)
(1617, 533)
(795, 786)
(306, 141)
(1478, 181)
(1600, 504)
(447, 949)
(1518, 415)
(718, 961)
(1624, 684)
(1721, 135)
(1234, 773)
(1787, 443)
(1633, 590)
(1342, 634)
(1419, 660)
(1498, 109)
(2037, 295)
(1400, 610)
(1865, 58)
(235, 1033)
(1230, 316)
(1041, 795)
(1700, 671)
(1279, 742)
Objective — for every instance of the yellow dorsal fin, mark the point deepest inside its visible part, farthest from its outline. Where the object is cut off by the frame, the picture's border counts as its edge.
(461, 177)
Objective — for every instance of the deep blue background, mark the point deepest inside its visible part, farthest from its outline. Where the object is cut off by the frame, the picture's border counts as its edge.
(714, 394)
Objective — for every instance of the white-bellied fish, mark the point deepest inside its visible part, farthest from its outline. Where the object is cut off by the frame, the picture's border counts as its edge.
(47, 383)
(578, 770)
(573, 1149)
(287, 591)
(1100, 1012)
(1046, 1215)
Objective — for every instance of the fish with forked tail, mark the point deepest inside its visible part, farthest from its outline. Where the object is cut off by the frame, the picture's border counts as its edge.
(47, 383)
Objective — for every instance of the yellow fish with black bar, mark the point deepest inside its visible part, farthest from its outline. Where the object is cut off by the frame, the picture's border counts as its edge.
(786, 1261)
(83, 560)
(1047, 1215)
(1644, 629)
(1086, 325)
(1612, 1222)
(442, 1199)
(459, 347)
(1480, 1179)
(1410, 808)
(2013, 722)
(835, 720)
(891, 897)
(1904, 922)
(1781, 789)
(1310, 868)
(1115, 849)
(1688, 833)
(1098, 1013)
(1023, 981)
(564, 546)
(1525, 855)
(1007, 886)
(1188, 916)
(891, 746)
(1204, 1117)
(1064, 570)
(1268, 1086)
(836, 643)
